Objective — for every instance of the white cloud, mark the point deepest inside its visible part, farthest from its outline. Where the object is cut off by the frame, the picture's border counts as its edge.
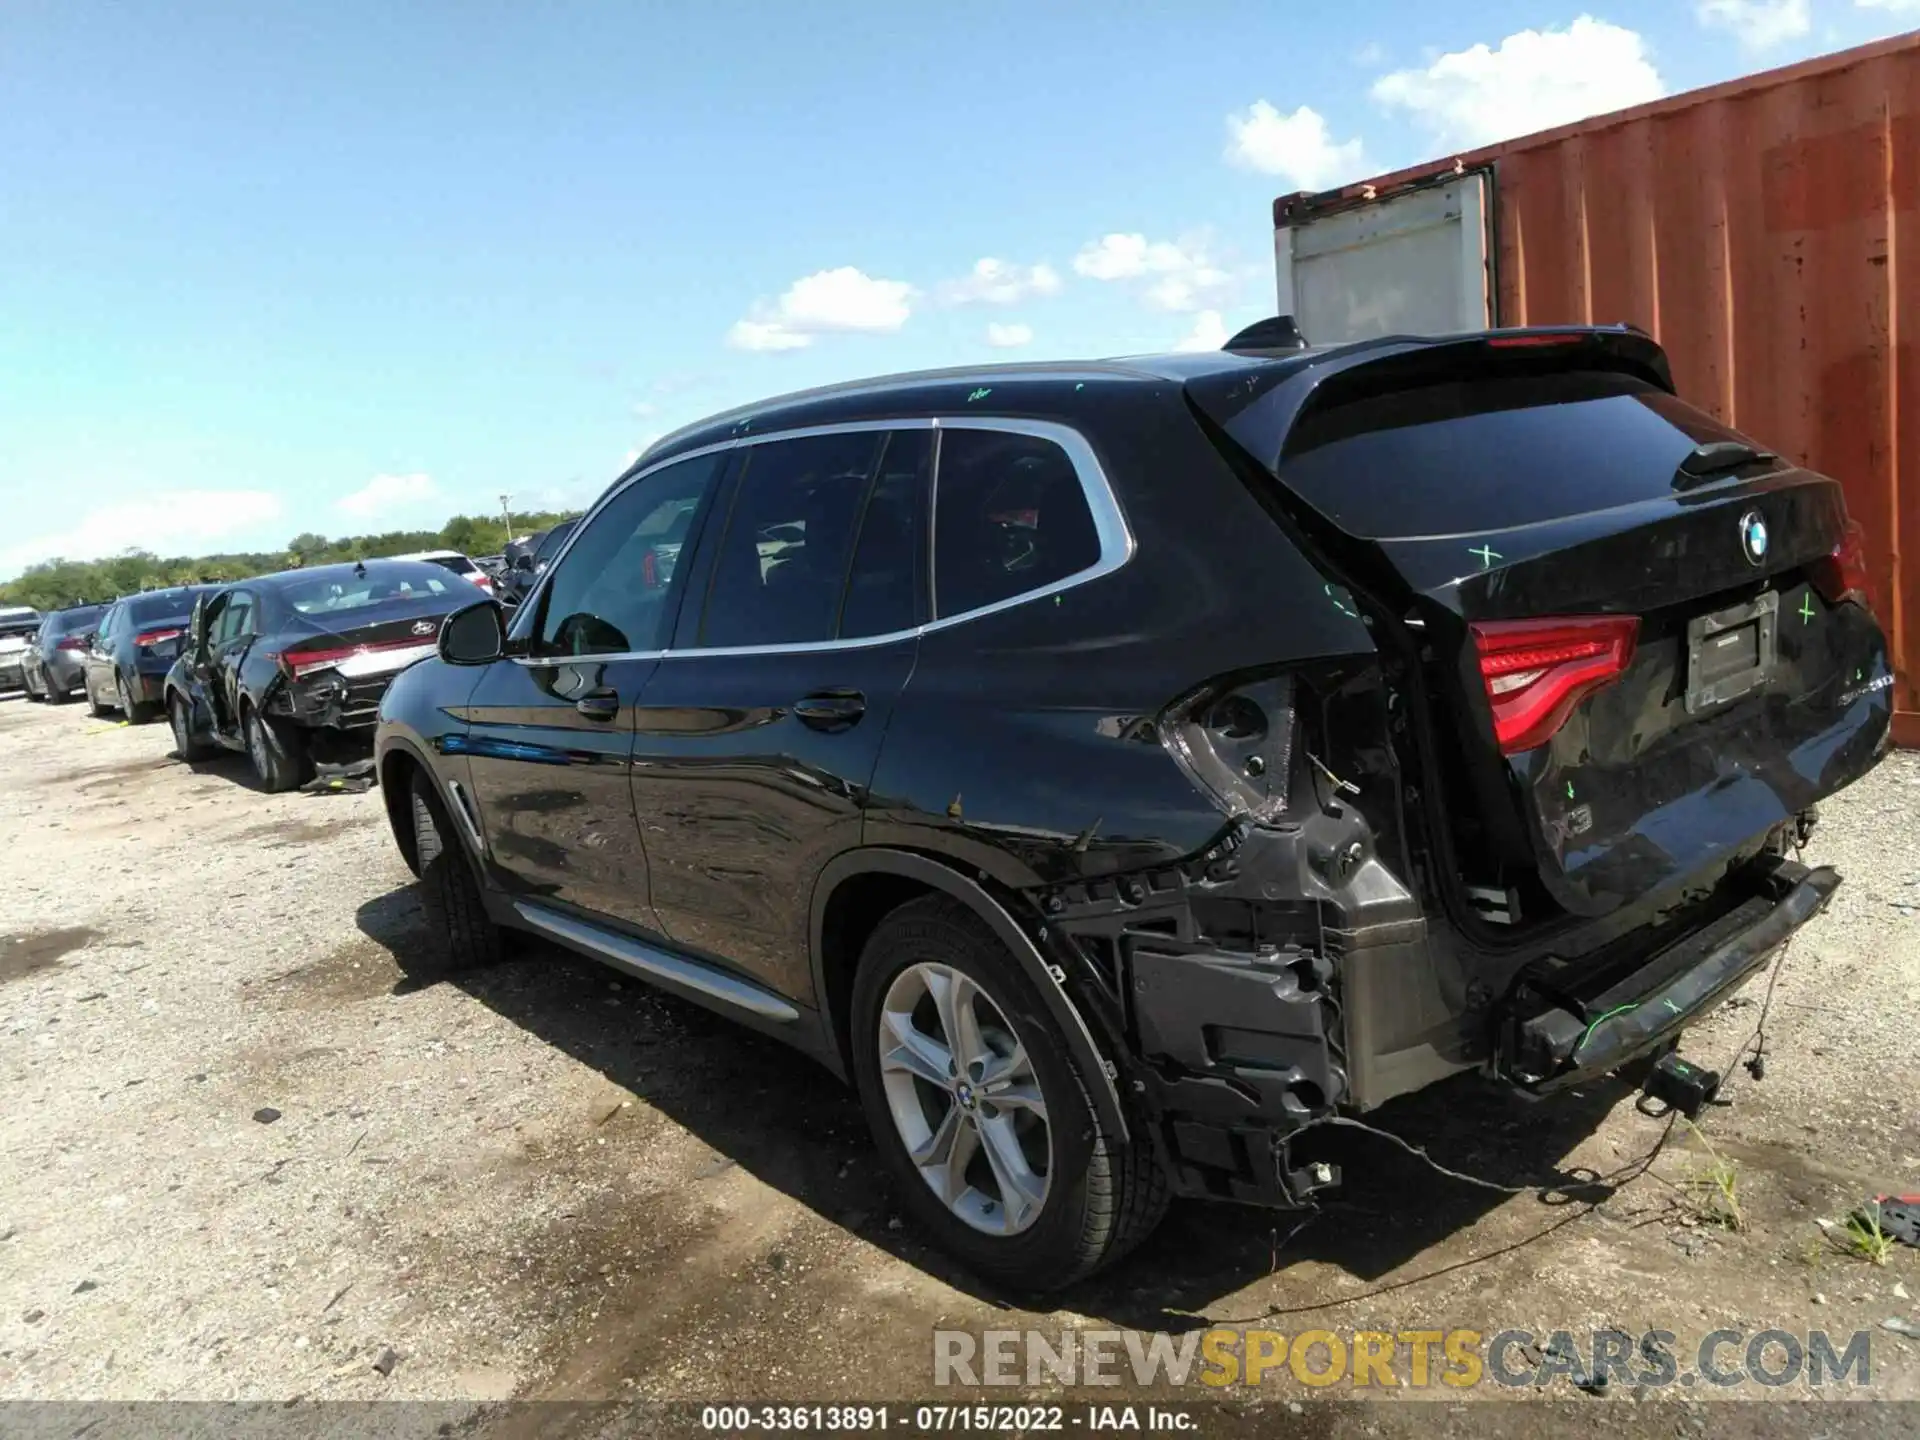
(1897, 7)
(1296, 147)
(1209, 332)
(1183, 275)
(1370, 54)
(1758, 24)
(1000, 282)
(1009, 337)
(827, 301)
(645, 408)
(1534, 80)
(172, 522)
(384, 494)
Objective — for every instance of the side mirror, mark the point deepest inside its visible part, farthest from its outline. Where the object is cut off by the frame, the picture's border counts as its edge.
(523, 562)
(476, 635)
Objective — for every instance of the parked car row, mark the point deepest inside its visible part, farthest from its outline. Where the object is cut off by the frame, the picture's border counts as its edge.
(1117, 770)
(281, 668)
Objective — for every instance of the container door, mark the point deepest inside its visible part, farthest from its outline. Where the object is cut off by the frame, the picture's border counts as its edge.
(1415, 264)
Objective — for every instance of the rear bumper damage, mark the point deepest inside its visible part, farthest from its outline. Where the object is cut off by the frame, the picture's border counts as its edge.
(1232, 1053)
(1553, 1036)
(347, 696)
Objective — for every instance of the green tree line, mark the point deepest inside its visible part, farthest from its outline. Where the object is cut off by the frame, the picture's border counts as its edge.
(56, 584)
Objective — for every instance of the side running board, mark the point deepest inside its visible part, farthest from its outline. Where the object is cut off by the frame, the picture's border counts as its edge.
(648, 962)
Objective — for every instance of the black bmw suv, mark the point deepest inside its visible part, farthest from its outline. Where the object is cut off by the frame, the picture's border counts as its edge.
(1117, 769)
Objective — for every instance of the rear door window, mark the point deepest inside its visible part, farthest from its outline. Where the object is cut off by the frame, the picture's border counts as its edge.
(807, 517)
(612, 593)
(1010, 518)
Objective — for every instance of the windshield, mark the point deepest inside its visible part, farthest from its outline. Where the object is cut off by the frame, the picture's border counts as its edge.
(380, 585)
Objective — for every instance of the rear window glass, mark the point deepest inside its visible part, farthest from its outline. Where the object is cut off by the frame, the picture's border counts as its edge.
(1484, 455)
(356, 592)
(68, 622)
(458, 564)
(147, 608)
(555, 538)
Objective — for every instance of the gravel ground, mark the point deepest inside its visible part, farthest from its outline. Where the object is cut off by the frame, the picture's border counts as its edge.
(248, 1155)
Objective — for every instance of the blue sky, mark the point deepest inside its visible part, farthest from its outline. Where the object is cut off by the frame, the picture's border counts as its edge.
(358, 266)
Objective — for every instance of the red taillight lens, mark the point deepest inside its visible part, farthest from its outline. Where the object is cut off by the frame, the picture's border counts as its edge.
(72, 642)
(1536, 671)
(1842, 576)
(156, 637)
(301, 663)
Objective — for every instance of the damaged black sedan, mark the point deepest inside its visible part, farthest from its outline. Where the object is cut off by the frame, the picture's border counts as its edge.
(283, 666)
(1117, 770)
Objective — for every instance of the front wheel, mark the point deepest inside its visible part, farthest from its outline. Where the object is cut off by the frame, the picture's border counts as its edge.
(978, 1112)
(460, 933)
(278, 752)
(94, 707)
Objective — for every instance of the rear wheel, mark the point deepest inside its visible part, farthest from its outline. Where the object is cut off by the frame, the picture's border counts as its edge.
(460, 934)
(186, 744)
(278, 752)
(138, 712)
(979, 1113)
(57, 695)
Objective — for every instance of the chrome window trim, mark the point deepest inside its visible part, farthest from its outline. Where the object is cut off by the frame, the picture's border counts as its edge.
(1117, 542)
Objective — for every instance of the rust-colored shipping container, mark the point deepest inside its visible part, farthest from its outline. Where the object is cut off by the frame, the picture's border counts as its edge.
(1766, 231)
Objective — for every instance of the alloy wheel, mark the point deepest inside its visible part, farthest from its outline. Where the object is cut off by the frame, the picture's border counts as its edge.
(182, 738)
(965, 1098)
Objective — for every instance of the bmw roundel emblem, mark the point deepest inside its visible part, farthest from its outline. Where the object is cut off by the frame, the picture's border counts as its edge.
(1753, 537)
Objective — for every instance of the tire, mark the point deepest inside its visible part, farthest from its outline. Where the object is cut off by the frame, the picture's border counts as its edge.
(278, 752)
(26, 687)
(460, 934)
(94, 707)
(59, 697)
(137, 712)
(1096, 1201)
(186, 744)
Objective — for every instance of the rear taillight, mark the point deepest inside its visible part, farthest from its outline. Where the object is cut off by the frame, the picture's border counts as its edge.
(1536, 671)
(483, 581)
(1842, 576)
(300, 663)
(71, 642)
(1532, 342)
(156, 637)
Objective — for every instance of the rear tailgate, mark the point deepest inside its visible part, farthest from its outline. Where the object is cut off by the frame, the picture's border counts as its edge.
(1641, 623)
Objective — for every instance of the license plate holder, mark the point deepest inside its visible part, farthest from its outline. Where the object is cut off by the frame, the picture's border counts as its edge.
(1730, 652)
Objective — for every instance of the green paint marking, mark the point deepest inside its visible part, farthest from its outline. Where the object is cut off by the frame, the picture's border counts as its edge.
(1569, 790)
(1487, 556)
(1671, 1006)
(1588, 1033)
(980, 394)
(1859, 675)
(1806, 609)
(1081, 386)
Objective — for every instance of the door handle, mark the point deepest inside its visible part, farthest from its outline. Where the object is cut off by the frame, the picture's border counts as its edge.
(601, 706)
(830, 709)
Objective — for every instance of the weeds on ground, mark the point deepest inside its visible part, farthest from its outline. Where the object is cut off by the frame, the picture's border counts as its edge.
(1864, 1237)
(1713, 1188)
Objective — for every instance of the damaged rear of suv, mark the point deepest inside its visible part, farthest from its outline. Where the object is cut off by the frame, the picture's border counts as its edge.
(1173, 753)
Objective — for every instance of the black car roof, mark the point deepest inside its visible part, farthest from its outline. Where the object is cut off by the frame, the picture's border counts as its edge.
(958, 389)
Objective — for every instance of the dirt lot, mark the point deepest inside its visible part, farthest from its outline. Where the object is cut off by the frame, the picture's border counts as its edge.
(244, 1155)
